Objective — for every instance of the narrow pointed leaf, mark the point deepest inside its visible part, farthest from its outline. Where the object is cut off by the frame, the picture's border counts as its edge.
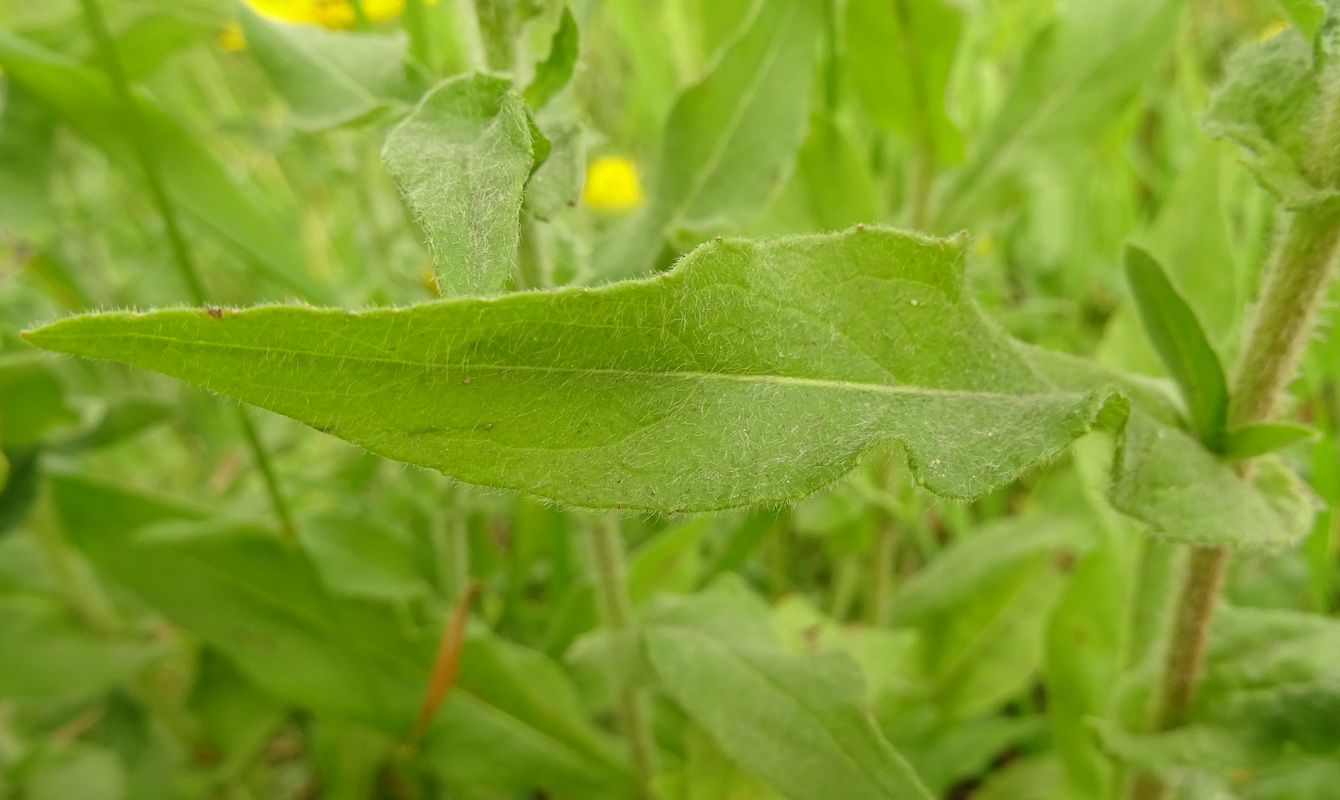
(552, 74)
(1251, 441)
(1181, 344)
(462, 160)
(730, 139)
(755, 372)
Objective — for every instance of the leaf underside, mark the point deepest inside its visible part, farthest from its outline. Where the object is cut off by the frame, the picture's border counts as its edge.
(754, 372)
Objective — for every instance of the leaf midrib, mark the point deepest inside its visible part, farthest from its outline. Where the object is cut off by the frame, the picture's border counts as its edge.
(762, 378)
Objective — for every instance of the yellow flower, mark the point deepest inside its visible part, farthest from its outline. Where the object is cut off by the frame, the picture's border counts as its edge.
(612, 185)
(334, 14)
(231, 39)
(327, 13)
(1273, 29)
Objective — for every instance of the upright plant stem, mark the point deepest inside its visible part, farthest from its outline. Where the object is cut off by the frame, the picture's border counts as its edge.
(142, 142)
(605, 546)
(1294, 288)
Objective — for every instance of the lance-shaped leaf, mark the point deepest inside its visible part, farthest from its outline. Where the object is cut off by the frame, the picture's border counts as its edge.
(462, 160)
(730, 138)
(1181, 344)
(552, 74)
(1260, 438)
(754, 372)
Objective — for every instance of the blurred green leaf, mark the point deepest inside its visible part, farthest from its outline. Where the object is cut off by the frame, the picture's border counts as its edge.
(328, 77)
(1265, 437)
(1089, 645)
(47, 653)
(118, 422)
(80, 770)
(348, 758)
(901, 55)
(1077, 78)
(236, 718)
(557, 183)
(245, 591)
(1271, 686)
(462, 160)
(668, 563)
(84, 99)
(797, 722)
(152, 38)
(33, 400)
(1308, 15)
(1186, 353)
(360, 556)
(982, 610)
(26, 140)
(18, 492)
(1269, 104)
(729, 141)
(552, 74)
(835, 181)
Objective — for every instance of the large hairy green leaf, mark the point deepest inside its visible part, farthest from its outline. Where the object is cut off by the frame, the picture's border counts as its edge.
(755, 372)
(462, 160)
(730, 138)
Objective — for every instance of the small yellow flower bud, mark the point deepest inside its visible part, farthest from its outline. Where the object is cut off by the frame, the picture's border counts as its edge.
(612, 185)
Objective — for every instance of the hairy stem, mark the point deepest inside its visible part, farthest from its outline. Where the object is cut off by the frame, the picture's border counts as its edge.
(1292, 292)
(142, 142)
(616, 609)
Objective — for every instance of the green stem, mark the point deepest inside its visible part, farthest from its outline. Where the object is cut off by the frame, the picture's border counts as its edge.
(451, 543)
(616, 610)
(1293, 290)
(416, 25)
(142, 142)
(881, 577)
